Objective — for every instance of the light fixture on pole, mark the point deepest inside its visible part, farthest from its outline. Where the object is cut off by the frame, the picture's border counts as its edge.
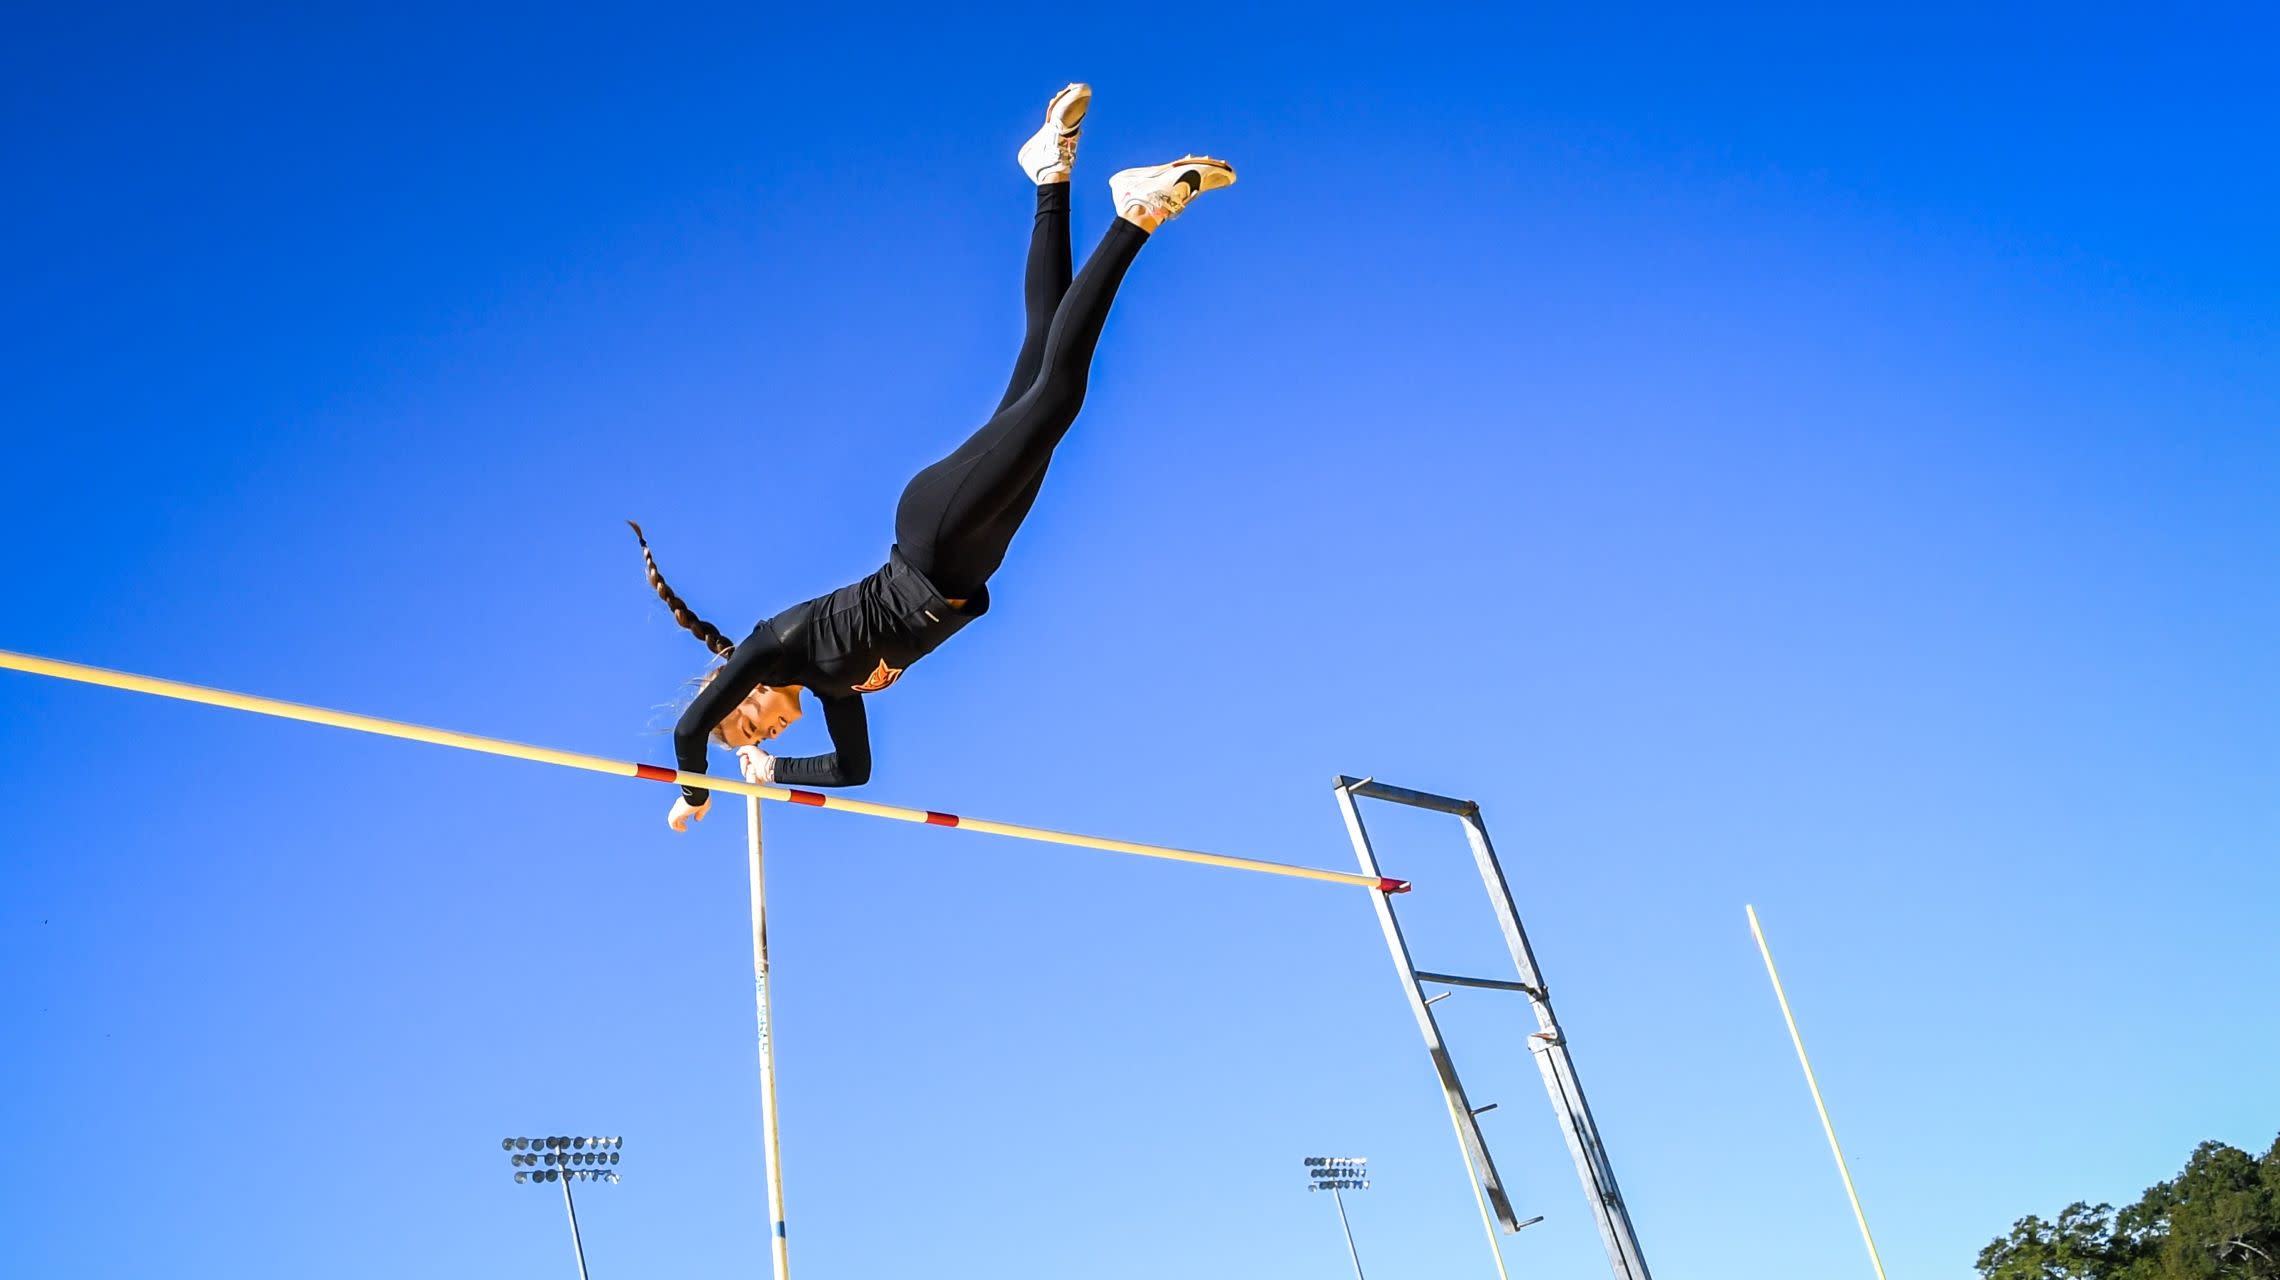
(1339, 1175)
(565, 1160)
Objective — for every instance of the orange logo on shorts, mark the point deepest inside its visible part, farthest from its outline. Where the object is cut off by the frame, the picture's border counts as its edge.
(880, 678)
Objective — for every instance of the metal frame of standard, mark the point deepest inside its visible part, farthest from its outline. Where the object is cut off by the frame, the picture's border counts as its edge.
(1548, 1045)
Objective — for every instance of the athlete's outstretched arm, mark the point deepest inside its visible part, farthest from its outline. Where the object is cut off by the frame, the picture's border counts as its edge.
(849, 762)
(747, 669)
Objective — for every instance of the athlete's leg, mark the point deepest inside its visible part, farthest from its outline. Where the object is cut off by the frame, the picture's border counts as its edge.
(1043, 282)
(952, 522)
(1047, 158)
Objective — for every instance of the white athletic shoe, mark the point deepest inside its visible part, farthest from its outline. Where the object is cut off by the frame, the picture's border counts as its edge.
(1052, 151)
(1157, 194)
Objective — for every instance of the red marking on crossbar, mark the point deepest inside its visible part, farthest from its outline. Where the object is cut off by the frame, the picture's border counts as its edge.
(655, 773)
(934, 819)
(1387, 884)
(815, 798)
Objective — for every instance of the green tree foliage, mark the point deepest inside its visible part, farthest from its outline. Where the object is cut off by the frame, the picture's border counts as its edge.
(2217, 1220)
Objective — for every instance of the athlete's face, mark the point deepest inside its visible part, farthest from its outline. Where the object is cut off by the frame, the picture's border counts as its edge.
(760, 717)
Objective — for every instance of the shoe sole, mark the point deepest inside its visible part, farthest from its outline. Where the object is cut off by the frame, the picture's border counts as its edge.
(1205, 162)
(1053, 107)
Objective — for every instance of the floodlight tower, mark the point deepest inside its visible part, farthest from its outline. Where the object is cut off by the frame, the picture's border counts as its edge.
(565, 1160)
(1338, 1175)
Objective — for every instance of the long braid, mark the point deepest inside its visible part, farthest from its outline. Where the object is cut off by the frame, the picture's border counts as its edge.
(682, 614)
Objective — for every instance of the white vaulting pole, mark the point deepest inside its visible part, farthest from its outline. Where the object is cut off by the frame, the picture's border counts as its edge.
(778, 1246)
(1874, 1260)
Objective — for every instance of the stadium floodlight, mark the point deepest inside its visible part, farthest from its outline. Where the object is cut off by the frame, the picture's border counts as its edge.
(565, 1159)
(1338, 1175)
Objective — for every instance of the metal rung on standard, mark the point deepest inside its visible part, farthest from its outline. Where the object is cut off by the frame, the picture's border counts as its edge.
(1493, 984)
(1371, 789)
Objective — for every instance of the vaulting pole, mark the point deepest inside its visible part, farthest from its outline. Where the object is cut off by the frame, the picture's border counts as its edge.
(779, 1247)
(1815, 1086)
(655, 773)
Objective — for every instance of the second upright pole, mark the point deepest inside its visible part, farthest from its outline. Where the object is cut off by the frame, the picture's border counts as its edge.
(1875, 1259)
(779, 1247)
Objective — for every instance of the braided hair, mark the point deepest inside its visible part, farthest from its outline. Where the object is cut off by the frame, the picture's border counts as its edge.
(682, 614)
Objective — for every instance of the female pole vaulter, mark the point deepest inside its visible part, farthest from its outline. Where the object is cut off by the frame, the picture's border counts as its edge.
(956, 518)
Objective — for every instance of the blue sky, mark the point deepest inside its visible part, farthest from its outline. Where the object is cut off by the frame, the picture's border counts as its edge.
(1805, 458)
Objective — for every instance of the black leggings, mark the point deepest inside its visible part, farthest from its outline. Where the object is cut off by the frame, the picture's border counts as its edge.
(957, 517)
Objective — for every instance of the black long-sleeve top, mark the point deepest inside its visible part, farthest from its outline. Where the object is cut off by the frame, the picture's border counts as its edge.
(857, 640)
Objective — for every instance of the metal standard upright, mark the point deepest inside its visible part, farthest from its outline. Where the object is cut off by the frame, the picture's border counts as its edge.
(1547, 1045)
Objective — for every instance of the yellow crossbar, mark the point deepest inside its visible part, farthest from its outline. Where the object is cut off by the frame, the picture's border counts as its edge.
(655, 773)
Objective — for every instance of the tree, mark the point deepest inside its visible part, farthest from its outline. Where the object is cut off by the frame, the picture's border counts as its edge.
(2222, 1216)
(2219, 1219)
(2083, 1244)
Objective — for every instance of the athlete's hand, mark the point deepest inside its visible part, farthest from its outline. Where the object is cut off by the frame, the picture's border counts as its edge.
(759, 766)
(683, 814)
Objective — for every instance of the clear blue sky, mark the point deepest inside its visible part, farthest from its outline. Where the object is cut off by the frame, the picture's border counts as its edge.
(1804, 459)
